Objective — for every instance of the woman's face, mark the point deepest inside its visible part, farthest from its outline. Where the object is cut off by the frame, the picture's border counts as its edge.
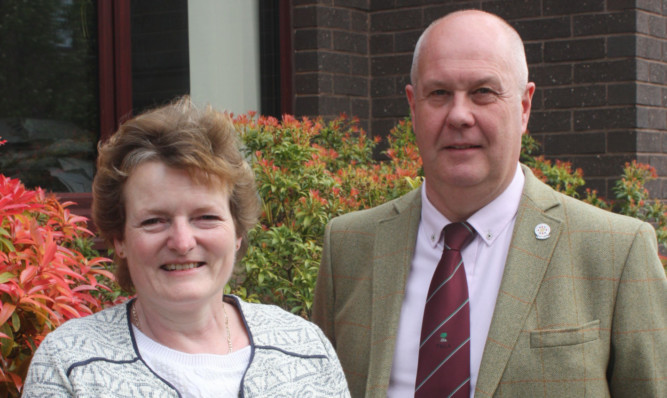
(179, 238)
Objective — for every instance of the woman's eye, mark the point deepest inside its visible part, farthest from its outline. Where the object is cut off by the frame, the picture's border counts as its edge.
(153, 224)
(208, 220)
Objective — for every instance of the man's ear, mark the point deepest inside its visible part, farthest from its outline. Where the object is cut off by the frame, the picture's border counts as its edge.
(410, 94)
(526, 104)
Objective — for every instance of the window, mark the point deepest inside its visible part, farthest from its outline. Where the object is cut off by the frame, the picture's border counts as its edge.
(49, 109)
(71, 70)
(160, 52)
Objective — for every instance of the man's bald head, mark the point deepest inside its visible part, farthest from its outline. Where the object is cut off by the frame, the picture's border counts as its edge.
(487, 26)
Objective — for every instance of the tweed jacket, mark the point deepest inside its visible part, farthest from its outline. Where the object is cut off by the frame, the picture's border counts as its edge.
(580, 314)
(97, 356)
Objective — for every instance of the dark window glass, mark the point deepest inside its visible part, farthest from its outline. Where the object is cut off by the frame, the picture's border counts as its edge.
(160, 52)
(269, 43)
(49, 112)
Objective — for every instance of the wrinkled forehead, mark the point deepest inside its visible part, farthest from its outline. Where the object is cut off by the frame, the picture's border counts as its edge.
(463, 74)
(477, 41)
(457, 60)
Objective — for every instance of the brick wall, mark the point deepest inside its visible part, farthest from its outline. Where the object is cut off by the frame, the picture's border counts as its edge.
(331, 58)
(600, 67)
(600, 72)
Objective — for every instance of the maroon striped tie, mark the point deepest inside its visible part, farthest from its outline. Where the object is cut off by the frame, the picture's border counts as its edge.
(444, 350)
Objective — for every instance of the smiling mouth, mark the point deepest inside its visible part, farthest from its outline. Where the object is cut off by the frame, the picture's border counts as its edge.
(462, 146)
(181, 267)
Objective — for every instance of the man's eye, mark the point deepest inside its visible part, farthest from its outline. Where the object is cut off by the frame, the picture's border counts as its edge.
(150, 221)
(438, 92)
(484, 95)
(484, 90)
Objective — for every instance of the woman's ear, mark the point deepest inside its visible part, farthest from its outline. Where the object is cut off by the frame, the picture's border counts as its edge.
(119, 247)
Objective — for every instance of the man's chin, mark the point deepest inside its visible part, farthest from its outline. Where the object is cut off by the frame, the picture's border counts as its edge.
(464, 177)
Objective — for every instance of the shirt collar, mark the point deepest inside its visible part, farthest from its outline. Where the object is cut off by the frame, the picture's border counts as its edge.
(489, 221)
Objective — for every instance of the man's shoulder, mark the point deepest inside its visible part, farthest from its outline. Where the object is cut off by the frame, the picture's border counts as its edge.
(406, 202)
(572, 209)
(581, 215)
(584, 216)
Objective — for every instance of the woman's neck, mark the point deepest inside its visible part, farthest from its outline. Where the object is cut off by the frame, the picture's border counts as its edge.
(206, 329)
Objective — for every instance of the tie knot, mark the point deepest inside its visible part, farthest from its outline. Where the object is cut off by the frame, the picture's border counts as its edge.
(458, 235)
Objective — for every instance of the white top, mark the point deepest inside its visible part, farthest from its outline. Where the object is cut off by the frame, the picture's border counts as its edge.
(97, 356)
(484, 261)
(195, 375)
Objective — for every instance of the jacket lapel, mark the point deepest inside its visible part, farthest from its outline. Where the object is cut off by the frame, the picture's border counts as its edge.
(526, 264)
(394, 247)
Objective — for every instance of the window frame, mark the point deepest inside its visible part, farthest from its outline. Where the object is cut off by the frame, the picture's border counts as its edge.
(115, 76)
(115, 82)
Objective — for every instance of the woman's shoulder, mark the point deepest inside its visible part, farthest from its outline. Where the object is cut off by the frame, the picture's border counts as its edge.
(267, 312)
(288, 345)
(108, 316)
(106, 328)
(271, 325)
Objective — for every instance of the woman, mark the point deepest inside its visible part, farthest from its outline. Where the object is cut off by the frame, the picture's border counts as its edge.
(175, 198)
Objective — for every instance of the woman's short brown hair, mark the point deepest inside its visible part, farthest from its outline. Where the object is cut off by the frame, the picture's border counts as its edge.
(201, 141)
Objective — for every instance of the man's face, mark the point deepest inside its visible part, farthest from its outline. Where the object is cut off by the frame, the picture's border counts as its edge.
(468, 111)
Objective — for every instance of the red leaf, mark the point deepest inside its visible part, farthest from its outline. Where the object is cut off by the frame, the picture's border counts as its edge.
(6, 311)
(49, 252)
(67, 271)
(82, 288)
(27, 274)
(66, 310)
(103, 272)
(41, 310)
(36, 234)
(41, 296)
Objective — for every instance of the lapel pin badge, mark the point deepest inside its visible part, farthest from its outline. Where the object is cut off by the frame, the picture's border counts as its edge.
(542, 231)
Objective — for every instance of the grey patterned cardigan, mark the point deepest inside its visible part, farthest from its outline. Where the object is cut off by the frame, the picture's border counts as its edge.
(97, 356)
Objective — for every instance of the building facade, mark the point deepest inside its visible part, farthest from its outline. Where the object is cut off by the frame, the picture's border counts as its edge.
(600, 67)
(71, 70)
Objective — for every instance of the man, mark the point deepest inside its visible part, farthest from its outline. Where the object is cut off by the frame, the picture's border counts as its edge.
(564, 299)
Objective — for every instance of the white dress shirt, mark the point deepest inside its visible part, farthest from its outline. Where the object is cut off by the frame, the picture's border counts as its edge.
(484, 261)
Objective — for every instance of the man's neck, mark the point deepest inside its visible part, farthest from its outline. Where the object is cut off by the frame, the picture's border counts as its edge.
(459, 203)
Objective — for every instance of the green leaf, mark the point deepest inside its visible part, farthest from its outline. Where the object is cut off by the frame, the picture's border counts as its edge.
(16, 322)
(6, 276)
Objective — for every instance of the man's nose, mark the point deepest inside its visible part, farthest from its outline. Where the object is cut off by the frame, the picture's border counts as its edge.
(460, 112)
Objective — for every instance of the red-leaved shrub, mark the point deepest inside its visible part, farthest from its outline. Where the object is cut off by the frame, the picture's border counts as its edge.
(45, 278)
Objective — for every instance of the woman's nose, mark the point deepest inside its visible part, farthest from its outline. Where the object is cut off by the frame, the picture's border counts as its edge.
(181, 237)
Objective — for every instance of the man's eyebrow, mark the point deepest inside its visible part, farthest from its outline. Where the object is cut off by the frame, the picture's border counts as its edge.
(474, 82)
(487, 80)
